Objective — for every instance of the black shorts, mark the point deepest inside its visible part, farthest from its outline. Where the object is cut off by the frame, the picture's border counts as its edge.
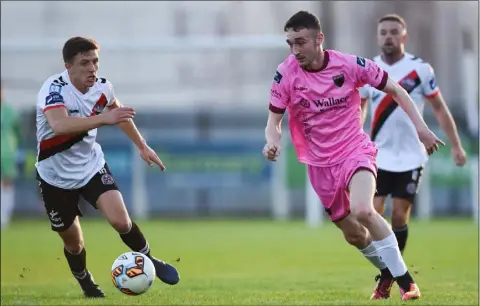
(61, 205)
(403, 185)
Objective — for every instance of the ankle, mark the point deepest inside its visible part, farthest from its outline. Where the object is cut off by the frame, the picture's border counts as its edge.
(405, 281)
(385, 273)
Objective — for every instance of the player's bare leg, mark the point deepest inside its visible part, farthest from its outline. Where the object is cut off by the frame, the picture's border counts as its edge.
(76, 256)
(401, 209)
(358, 236)
(362, 189)
(111, 205)
(379, 204)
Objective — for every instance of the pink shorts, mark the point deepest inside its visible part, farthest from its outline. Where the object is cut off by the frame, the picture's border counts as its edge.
(331, 183)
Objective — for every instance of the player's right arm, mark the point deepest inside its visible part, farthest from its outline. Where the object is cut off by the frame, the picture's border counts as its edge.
(279, 99)
(273, 134)
(52, 105)
(62, 124)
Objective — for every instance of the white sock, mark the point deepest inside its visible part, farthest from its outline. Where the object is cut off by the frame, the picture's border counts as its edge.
(7, 203)
(389, 252)
(370, 252)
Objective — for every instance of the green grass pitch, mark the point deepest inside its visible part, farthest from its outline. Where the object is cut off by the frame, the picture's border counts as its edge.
(241, 263)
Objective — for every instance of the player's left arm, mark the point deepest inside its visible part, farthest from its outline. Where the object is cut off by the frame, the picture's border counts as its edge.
(370, 73)
(131, 130)
(432, 93)
(400, 95)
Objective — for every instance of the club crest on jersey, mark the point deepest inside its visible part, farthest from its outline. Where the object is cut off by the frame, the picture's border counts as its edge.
(339, 80)
(98, 108)
(278, 77)
(408, 84)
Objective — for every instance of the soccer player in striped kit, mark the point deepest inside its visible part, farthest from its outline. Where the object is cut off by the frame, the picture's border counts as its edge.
(401, 156)
(70, 107)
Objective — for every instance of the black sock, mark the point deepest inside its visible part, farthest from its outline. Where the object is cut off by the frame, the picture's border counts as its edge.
(135, 240)
(404, 281)
(77, 263)
(402, 235)
(385, 273)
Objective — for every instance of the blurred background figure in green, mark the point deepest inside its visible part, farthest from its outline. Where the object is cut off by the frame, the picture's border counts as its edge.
(11, 133)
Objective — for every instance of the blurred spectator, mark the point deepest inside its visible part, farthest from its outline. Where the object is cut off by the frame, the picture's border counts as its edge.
(11, 133)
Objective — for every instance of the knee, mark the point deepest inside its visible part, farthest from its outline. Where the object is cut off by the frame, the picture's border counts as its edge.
(365, 214)
(73, 238)
(74, 246)
(399, 218)
(357, 239)
(122, 225)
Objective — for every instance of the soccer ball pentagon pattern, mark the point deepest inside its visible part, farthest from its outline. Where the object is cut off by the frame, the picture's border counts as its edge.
(133, 273)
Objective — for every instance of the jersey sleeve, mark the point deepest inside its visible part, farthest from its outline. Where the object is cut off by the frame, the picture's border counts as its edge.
(369, 73)
(429, 84)
(364, 92)
(279, 92)
(49, 97)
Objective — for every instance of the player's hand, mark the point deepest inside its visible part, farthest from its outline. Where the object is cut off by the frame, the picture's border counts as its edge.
(429, 140)
(118, 115)
(150, 157)
(459, 156)
(271, 151)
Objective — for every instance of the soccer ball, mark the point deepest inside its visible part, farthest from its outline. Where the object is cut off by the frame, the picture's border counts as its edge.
(133, 273)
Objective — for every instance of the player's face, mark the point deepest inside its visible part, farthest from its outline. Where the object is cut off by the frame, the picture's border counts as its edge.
(391, 37)
(304, 44)
(84, 67)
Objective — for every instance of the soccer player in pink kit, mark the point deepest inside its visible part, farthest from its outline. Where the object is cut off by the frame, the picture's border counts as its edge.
(319, 88)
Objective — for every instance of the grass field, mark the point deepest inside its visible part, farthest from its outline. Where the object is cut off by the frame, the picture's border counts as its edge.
(241, 263)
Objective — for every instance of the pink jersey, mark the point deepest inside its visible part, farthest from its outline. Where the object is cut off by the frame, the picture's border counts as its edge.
(324, 113)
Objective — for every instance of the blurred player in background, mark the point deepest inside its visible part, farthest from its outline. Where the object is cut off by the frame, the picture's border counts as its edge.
(11, 134)
(320, 90)
(71, 163)
(401, 156)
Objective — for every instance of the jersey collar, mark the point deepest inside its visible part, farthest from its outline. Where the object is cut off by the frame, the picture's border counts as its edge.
(67, 79)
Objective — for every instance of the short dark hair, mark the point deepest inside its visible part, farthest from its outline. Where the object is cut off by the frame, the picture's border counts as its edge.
(76, 45)
(393, 17)
(303, 20)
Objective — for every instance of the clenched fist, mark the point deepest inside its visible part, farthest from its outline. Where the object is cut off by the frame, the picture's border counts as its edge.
(118, 115)
(271, 151)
